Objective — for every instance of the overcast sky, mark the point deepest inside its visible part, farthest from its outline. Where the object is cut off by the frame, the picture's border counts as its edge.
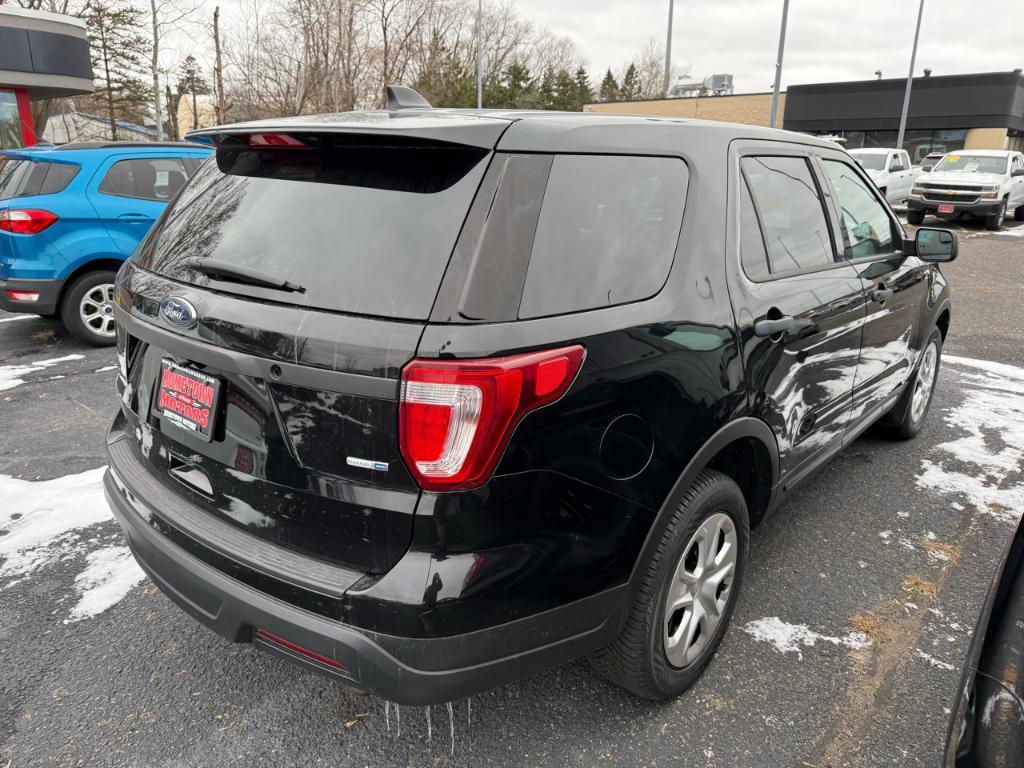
(826, 41)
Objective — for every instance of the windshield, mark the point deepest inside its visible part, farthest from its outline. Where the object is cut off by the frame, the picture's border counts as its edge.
(972, 163)
(872, 161)
(363, 224)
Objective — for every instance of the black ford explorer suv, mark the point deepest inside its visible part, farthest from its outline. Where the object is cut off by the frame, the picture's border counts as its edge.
(431, 400)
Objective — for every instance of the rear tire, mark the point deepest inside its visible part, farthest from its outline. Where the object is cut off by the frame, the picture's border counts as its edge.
(907, 417)
(692, 579)
(87, 308)
(915, 217)
(1018, 213)
(995, 221)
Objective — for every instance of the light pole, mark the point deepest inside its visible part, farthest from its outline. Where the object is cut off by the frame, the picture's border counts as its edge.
(479, 57)
(778, 63)
(910, 79)
(668, 51)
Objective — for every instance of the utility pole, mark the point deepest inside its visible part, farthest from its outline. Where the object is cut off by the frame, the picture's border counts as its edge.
(778, 63)
(668, 52)
(910, 79)
(479, 56)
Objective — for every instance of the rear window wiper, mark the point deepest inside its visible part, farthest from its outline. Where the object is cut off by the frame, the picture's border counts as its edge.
(225, 270)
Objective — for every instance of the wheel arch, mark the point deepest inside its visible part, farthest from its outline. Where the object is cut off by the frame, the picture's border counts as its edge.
(942, 320)
(745, 450)
(92, 265)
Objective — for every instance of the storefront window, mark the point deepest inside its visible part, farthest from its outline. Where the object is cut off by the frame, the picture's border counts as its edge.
(10, 121)
(918, 143)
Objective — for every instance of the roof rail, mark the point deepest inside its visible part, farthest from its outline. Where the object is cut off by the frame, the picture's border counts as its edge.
(402, 97)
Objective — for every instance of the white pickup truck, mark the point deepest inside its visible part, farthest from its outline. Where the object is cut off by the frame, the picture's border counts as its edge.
(983, 183)
(890, 169)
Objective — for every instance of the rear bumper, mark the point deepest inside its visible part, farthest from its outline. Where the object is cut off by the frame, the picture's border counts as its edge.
(414, 671)
(979, 208)
(46, 304)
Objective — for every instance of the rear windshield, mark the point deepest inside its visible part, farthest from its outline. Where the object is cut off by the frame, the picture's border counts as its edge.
(871, 161)
(362, 224)
(24, 178)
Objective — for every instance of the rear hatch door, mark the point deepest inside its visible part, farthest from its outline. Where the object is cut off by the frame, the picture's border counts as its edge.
(327, 250)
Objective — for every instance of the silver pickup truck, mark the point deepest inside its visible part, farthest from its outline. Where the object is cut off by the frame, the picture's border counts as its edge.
(981, 183)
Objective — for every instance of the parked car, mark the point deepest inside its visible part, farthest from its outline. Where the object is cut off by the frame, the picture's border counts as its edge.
(479, 393)
(70, 215)
(980, 183)
(929, 160)
(986, 729)
(890, 169)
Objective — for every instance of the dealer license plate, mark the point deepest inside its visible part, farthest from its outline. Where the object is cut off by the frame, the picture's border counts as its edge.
(187, 398)
(947, 209)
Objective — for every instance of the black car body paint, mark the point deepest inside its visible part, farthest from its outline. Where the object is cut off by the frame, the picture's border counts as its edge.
(424, 596)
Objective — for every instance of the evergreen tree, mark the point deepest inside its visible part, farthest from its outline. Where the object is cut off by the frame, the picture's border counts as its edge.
(584, 93)
(117, 46)
(192, 82)
(609, 90)
(630, 90)
(546, 95)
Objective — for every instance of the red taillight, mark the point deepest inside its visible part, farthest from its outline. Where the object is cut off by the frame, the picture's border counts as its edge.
(456, 416)
(26, 221)
(23, 295)
(274, 140)
(271, 638)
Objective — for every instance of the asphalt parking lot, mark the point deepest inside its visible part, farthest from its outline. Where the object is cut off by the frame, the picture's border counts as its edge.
(859, 601)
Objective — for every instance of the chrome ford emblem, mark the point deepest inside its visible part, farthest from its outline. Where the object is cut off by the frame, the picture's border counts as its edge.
(178, 312)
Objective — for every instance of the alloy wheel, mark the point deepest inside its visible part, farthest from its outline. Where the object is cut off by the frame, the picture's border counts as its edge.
(700, 589)
(96, 310)
(925, 382)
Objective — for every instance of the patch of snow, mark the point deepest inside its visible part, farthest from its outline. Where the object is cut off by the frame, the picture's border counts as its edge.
(109, 576)
(980, 466)
(47, 522)
(106, 368)
(44, 518)
(11, 375)
(18, 317)
(937, 663)
(884, 535)
(787, 638)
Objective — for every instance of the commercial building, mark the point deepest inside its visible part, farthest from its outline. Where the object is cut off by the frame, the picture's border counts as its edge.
(979, 111)
(42, 56)
(747, 108)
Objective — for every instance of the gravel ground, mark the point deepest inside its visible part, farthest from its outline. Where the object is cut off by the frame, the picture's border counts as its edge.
(859, 600)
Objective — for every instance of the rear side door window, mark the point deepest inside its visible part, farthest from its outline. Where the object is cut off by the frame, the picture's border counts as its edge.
(753, 254)
(866, 227)
(151, 178)
(606, 234)
(790, 209)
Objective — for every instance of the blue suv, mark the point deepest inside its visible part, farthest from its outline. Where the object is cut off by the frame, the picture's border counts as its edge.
(70, 215)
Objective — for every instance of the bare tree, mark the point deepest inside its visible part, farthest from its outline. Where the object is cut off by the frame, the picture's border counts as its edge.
(165, 15)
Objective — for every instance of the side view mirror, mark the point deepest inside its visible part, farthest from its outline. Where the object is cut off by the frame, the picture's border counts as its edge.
(926, 168)
(1018, 172)
(935, 245)
(897, 167)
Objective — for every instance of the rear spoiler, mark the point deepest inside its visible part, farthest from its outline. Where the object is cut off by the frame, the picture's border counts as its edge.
(408, 114)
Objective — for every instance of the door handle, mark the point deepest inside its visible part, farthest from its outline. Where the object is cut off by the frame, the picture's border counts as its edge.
(134, 217)
(881, 294)
(765, 328)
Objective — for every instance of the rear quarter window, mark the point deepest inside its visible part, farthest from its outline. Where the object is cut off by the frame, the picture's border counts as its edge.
(25, 178)
(606, 234)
